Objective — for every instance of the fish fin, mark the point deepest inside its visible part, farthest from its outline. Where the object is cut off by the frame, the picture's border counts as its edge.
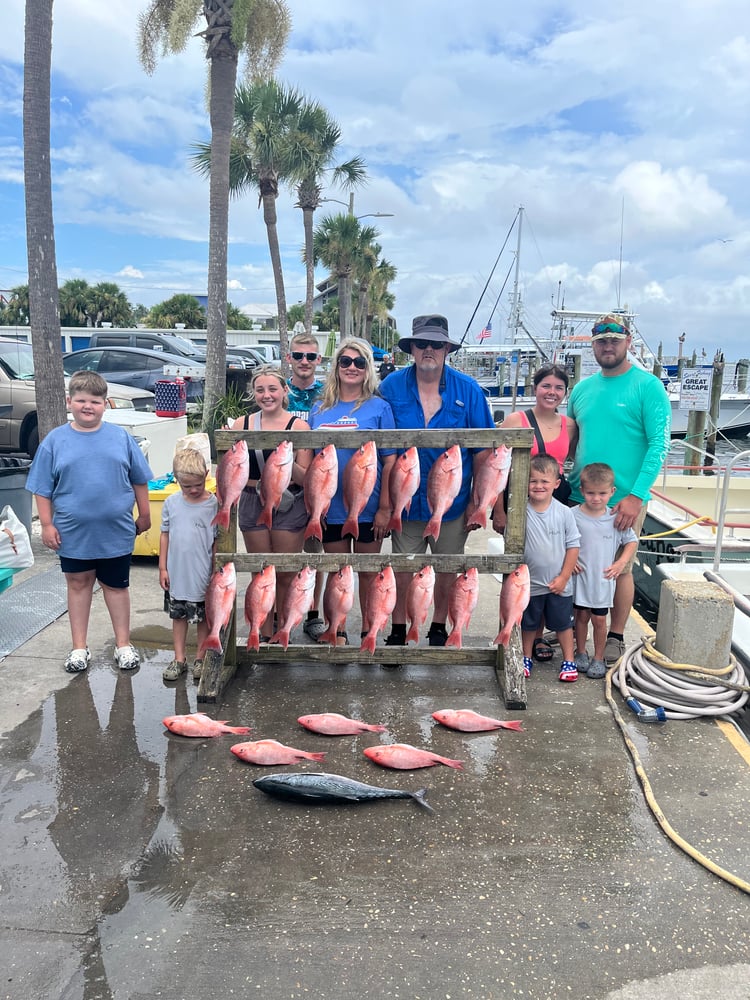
(420, 797)
(314, 530)
(503, 636)
(515, 725)
(314, 756)
(281, 637)
(350, 527)
(210, 642)
(253, 641)
(433, 528)
(266, 518)
(328, 637)
(454, 639)
(222, 519)
(413, 634)
(395, 523)
(449, 762)
(238, 730)
(368, 643)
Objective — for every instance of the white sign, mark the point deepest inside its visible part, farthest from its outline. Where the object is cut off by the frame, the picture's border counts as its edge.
(695, 388)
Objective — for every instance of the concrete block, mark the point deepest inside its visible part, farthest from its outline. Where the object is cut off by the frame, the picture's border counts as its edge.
(695, 623)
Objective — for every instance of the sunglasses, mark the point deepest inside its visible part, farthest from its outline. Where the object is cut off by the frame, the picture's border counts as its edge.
(307, 355)
(345, 361)
(436, 345)
(600, 328)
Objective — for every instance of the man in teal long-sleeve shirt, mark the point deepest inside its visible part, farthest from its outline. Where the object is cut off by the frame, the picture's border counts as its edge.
(624, 419)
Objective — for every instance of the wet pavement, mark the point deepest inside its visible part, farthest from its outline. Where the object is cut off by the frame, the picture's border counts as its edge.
(141, 864)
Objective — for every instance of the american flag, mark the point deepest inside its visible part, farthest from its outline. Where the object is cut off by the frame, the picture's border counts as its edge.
(485, 333)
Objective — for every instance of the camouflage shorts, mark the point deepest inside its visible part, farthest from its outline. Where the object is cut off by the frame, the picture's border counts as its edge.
(193, 611)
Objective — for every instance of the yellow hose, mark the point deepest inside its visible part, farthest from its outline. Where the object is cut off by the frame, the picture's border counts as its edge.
(676, 531)
(654, 806)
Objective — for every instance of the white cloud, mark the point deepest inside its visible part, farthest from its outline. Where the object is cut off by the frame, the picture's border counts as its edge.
(129, 272)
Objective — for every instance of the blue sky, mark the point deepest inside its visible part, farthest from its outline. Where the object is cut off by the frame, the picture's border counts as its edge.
(592, 120)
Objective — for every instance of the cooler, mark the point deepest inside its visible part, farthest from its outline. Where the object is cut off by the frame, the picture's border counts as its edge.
(147, 544)
(171, 398)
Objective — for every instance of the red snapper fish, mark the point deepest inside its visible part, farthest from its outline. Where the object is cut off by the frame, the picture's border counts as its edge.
(231, 478)
(381, 600)
(403, 757)
(514, 598)
(461, 604)
(443, 486)
(360, 476)
(418, 600)
(274, 479)
(338, 599)
(466, 721)
(333, 724)
(298, 601)
(403, 484)
(220, 597)
(199, 724)
(259, 600)
(321, 482)
(490, 479)
(272, 752)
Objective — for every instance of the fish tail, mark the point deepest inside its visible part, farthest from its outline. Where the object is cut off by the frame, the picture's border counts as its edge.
(433, 528)
(315, 756)
(281, 637)
(253, 640)
(328, 637)
(368, 643)
(420, 797)
(350, 527)
(515, 725)
(314, 530)
(210, 642)
(449, 762)
(395, 523)
(222, 518)
(266, 518)
(238, 730)
(503, 636)
(413, 634)
(454, 639)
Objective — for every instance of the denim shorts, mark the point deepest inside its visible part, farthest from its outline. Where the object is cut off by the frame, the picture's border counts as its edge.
(112, 573)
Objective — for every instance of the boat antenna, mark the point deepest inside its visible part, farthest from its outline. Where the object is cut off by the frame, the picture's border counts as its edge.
(516, 301)
(619, 276)
(497, 261)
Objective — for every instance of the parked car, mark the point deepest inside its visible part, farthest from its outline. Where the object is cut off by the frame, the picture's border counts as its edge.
(268, 352)
(163, 340)
(135, 366)
(18, 414)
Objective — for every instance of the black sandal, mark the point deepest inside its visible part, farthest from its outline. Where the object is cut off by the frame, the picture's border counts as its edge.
(342, 635)
(542, 651)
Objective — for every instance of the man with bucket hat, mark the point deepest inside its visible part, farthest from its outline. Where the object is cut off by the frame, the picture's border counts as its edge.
(431, 394)
(624, 419)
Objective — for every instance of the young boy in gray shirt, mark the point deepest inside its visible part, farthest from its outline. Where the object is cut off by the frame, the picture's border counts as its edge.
(186, 551)
(551, 553)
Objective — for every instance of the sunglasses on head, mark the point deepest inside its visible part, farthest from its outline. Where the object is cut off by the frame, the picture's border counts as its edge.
(436, 345)
(600, 328)
(345, 361)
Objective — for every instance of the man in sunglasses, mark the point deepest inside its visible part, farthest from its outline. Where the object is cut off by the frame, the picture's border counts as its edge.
(624, 419)
(431, 394)
(304, 388)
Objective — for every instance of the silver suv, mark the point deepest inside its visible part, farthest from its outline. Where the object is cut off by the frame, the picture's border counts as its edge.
(18, 418)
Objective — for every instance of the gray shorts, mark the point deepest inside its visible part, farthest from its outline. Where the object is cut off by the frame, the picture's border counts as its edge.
(249, 510)
(193, 611)
(451, 540)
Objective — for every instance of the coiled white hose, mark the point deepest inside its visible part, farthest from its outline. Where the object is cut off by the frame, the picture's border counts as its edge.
(683, 690)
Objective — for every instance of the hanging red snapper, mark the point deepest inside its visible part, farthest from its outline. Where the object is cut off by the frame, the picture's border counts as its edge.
(333, 724)
(360, 476)
(403, 484)
(259, 600)
(466, 721)
(338, 599)
(298, 601)
(274, 479)
(418, 601)
(491, 470)
(461, 604)
(272, 752)
(199, 724)
(220, 597)
(321, 482)
(381, 600)
(514, 598)
(231, 478)
(443, 486)
(403, 757)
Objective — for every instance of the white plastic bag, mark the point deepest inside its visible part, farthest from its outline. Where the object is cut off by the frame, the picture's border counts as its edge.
(200, 442)
(15, 547)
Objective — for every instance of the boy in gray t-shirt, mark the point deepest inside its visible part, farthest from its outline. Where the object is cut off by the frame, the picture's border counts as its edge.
(551, 552)
(604, 553)
(186, 551)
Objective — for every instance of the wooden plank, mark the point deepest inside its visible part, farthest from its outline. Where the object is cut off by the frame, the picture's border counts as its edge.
(488, 437)
(391, 655)
(291, 562)
(509, 669)
(218, 668)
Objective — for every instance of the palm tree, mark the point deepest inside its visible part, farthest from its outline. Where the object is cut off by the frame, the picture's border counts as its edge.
(16, 309)
(107, 303)
(259, 29)
(338, 244)
(40, 227)
(380, 300)
(74, 295)
(318, 137)
(180, 308)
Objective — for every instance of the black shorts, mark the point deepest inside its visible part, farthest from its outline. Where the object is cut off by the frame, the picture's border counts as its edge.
(596, 612)
(332, 533)
(113, 573)
(554, 610)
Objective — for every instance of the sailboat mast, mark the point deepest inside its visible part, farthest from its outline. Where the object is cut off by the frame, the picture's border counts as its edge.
(517, 309)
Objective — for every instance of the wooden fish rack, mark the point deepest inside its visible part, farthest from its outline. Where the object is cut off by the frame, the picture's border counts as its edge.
(219, 668)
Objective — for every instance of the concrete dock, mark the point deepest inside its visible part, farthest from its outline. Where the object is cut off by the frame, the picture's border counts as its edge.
(138, 864)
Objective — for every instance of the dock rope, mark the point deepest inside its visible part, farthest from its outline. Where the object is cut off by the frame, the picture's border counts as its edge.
(625, 671)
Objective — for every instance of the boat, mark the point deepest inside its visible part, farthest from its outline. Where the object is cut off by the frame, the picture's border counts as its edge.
(697, 528)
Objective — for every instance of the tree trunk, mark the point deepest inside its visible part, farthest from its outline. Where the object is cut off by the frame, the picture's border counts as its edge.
(345, 303)
(223, 75)
(307, 221)
(44, 315)
(269, 217)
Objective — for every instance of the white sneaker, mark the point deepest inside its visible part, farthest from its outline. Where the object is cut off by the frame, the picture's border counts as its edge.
(77, 660)
(127, 658)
